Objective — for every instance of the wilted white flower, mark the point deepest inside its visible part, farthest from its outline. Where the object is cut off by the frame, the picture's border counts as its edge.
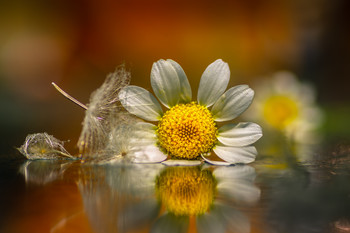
(107, 127)
(102, 114)
(43, 146)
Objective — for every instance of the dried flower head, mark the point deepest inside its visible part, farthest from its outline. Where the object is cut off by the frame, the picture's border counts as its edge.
(105, 117)
(43, 146)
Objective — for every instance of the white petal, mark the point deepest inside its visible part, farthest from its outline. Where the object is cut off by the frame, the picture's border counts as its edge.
(232, 103)
(147, 127)
(144, 134)
(213, 82)
(173, 162)
(140, 102)
(148, 154)
(241, 134)
(166, 83)
(235, 155)
(214, 162)
(143, 139)
(223, 218)
(186, 92)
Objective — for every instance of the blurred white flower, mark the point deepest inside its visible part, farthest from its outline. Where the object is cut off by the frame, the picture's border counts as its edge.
(287, 105)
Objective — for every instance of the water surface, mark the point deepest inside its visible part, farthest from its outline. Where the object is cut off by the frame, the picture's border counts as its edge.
(70, 196)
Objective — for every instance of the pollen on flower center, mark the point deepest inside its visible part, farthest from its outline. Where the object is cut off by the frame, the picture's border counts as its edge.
(187, 130)
(280, 111)
(186, 191)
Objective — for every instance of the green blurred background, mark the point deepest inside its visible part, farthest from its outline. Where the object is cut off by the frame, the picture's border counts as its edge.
(77, 43)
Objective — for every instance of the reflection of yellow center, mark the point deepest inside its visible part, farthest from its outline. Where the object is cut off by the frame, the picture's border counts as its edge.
(186, 191)
(187, 130)
(280, 111)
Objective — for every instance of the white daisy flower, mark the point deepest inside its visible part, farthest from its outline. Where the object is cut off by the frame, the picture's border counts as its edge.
(188, 129)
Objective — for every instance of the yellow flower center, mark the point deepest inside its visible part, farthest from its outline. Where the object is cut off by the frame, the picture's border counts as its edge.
(187, 130)
(186, 191)
(280, 111)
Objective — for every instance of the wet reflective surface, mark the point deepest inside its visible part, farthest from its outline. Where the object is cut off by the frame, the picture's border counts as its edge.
(70, 196)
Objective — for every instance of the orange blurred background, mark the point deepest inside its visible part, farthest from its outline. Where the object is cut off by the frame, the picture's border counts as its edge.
(77, 43)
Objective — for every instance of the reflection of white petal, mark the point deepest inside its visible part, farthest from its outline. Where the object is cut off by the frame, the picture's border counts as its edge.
(236, 183)
(236, 221)
(135, 180)
(241, 134)
(148, 154)
(236, 154)
(173, 162)
(211, 222)
(244, 172)
(239, 190)
(170, 224)
(223, 218)
(232, 103)
(166, 83)
(186, 92)
(140, 102)
(141, 213)
(213, 82)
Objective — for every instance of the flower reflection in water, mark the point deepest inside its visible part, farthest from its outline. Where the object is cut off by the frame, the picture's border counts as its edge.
(42, 172)
(186, 190)
(121, 198)
(208, 195)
